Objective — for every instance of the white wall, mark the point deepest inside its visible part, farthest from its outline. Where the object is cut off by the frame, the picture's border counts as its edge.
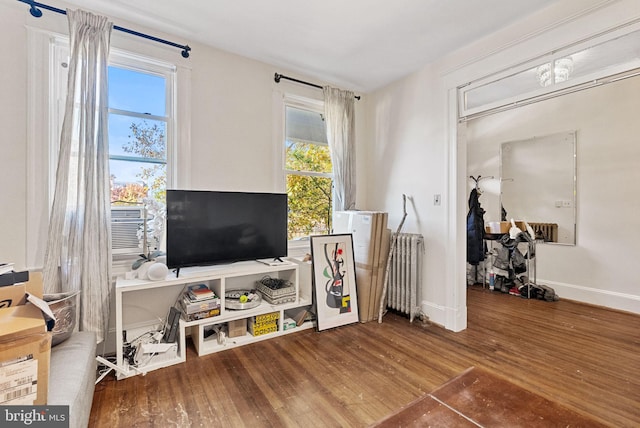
(13, 108)
(417, 149)
(407, 155)
(599, 269)
(231, 110)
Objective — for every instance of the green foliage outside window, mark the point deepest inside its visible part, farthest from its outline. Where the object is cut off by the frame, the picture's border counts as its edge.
(309, 195)
(148, 142)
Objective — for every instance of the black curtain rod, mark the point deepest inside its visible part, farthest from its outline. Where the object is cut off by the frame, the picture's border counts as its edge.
(37, 13)
(279, 76)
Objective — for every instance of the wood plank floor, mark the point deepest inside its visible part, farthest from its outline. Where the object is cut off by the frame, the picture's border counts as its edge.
(583, 357)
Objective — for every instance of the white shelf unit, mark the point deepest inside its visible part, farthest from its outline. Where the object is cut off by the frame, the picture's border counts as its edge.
(143, 305)
(246, 279)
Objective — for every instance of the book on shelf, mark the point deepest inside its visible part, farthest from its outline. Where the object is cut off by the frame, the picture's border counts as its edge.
(189, 306)
(200, 292)
(299, 315)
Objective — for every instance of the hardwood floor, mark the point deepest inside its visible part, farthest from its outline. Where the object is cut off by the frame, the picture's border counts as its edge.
(582, 357)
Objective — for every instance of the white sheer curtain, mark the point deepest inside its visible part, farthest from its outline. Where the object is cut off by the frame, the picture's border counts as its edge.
(340, 122)
(78, 254)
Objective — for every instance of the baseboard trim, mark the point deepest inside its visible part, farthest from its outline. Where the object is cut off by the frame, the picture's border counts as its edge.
(437, 314)
(605, 298)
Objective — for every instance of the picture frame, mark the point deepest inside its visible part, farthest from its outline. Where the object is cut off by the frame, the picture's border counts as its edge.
(334, 280)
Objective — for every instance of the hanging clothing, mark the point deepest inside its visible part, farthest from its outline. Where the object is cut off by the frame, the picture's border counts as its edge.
(475, 230)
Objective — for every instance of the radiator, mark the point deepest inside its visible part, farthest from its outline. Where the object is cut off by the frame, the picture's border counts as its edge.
(405, 274)
(546, 231)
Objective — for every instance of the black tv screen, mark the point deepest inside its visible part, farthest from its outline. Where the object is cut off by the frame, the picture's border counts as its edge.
(212, 227)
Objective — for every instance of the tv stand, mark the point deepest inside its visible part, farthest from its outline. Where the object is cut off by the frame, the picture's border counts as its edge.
(142, 304)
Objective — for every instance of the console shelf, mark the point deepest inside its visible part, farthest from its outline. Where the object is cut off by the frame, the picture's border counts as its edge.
(142, 305)
(210, 345)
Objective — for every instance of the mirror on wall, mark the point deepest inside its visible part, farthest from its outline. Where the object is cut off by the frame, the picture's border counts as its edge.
(538, 185)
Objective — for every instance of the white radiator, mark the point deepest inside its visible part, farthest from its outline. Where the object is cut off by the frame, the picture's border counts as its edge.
(405, 274)
(546, 231)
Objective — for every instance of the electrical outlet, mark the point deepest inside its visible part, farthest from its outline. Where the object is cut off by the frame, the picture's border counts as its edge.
(436, 199)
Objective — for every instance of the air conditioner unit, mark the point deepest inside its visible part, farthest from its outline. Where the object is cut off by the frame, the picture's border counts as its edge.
(125, 224)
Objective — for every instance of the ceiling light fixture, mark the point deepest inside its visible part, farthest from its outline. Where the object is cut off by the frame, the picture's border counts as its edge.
(560, 72)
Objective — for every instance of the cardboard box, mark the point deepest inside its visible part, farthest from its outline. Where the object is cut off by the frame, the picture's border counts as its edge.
(16, 294)
(25, 353)
(24, 370)
(10, 278)
(13, 295)
(263, 328)
(237, 328)
(264, 318)
(264, 324)
(35, 285)
(20, 321)
(288, 324)
(503, 226)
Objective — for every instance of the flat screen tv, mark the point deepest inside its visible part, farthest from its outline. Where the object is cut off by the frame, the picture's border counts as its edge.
(214, 227)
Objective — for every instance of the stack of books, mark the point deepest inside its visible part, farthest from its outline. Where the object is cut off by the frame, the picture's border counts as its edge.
(199, 302)
(199, 292)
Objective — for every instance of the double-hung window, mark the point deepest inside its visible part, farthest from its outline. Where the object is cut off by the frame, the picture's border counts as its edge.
(148, 109)
(138, 123)
(308, 170)
(141, 125)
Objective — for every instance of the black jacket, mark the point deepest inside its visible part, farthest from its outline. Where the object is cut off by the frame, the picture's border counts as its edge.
(475, 230)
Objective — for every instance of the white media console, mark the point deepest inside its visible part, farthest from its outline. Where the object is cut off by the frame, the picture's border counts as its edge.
(142, 307)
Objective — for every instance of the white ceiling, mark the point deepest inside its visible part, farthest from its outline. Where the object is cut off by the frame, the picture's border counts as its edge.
(360, 45)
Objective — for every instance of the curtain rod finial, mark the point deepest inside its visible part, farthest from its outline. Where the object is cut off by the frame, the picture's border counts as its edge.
(185, 51)
(277, 77)
(35, 12)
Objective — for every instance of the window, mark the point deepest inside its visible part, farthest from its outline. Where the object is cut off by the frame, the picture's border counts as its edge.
(137, 135)
(138, 123)
(602, 59)
(140, 141)
(308, 171)
(140, 95)
(159, 95)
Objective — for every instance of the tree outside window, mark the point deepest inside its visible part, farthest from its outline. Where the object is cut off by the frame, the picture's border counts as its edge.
(138, 155)
(137, 136)
(308, 173)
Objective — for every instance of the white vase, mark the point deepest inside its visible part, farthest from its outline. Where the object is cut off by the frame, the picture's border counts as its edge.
(157, 272)
(143, 270)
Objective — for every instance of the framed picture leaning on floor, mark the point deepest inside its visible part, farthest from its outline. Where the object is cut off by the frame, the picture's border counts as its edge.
(334, 280)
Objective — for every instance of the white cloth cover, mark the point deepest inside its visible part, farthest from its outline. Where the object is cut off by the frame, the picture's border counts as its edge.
(78, 254)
